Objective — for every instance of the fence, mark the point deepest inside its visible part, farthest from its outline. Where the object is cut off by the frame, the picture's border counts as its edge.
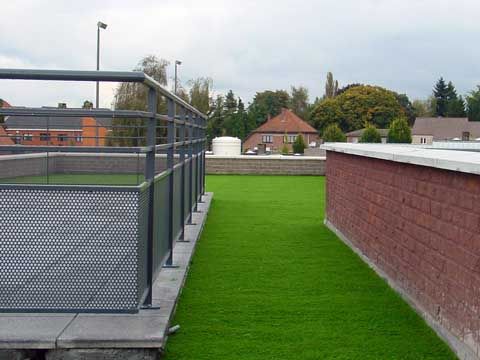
(95, 245)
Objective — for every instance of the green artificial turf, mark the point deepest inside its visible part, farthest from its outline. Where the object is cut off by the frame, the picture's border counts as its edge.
(270, 281)
(78, 179)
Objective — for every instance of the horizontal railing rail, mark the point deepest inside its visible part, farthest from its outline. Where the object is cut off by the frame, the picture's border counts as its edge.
(173, 141)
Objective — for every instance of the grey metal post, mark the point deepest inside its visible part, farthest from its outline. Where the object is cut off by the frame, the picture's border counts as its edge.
(170, 165)
(190, 177)
(197, 160)
(149, 177)
(204, 147)
(182, 162)
(98, 67)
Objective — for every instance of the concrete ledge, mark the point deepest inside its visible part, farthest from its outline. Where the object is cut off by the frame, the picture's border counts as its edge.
(467, 162)
(108, 336)
(462, 351)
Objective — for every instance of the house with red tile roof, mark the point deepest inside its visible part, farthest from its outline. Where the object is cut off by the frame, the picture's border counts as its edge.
(280, 130)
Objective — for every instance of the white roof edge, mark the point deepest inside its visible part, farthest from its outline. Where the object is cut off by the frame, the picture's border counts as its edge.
(455, 160)
(265, 157)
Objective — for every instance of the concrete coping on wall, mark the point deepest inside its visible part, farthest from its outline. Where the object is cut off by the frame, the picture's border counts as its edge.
(265, 157)
(455, 160)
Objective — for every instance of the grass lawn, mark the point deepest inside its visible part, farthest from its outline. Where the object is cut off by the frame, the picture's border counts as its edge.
(78, 179)
(270, 281)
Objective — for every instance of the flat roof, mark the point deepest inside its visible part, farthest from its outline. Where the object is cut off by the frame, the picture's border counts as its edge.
(455, 160)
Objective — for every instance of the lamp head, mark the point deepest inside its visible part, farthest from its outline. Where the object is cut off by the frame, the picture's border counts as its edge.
(101, 25)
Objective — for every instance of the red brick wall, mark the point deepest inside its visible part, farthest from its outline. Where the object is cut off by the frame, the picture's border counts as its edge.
(421, 226)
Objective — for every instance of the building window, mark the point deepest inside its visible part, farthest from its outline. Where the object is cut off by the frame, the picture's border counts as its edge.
(27, 137)
(290, 139)
(465, 136)
(62, 137)
(44, 136)
(267, 139)
(78, 138)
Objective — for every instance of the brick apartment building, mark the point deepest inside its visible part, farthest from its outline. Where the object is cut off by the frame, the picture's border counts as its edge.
(280, 130)
(57, 131)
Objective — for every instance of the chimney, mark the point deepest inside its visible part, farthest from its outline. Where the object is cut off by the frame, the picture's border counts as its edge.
(62, 105)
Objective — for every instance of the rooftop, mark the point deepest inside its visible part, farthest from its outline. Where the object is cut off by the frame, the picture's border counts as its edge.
(286, 122)
(445, 128)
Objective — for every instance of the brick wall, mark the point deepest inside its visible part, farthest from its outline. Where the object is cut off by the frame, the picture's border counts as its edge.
(421, 227)
(265, 165)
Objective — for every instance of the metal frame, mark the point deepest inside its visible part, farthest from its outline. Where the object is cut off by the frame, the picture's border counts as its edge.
(190, 145)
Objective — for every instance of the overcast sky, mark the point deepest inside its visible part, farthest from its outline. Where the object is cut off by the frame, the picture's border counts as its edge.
(246, 46)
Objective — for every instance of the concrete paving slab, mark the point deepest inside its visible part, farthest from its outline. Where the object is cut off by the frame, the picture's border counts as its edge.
(114, 331)
(32, 332)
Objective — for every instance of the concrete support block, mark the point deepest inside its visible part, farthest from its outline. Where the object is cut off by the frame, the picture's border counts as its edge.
(103, 354)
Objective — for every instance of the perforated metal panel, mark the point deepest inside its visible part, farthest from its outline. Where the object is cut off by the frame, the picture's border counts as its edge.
(71, 250)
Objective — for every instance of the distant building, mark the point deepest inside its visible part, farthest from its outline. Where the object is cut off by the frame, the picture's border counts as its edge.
(354, 136)
(427, 130)
(56, 131)
(4, 138)
(280, 130)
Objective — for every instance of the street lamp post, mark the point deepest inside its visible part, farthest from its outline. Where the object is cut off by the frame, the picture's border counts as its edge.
(177, 62)
(100, 25)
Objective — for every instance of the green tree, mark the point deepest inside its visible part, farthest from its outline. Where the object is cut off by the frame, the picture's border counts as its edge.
(370, 135)
(407, 107)
(215, 121)
(441, 92)
(473, 105)
(299, 145)
(455, 103)
(267, 103)
(424, 108)
(356, 106)
(200, 97)
(2, 118)
(86, 105)
(298, 101)
(399, 131)
(233, 124)
(333, 133)
(133, 96)
(331, 86)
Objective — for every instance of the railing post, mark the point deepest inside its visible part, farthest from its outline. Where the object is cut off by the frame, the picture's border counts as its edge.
(197, 167)
(182, 162)
(149, 177)
(170, 165)
(190, 177)
(204, 148)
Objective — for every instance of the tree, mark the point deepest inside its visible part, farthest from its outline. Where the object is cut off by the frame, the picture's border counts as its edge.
(331, 86)
(299, 145)
(356, 106)
(200, 97)
(2, 118)
(267, 103)
(399, 131)
(232, 123)
(407, 107)
(473, 105)
(370, 135)
(86, 105)
(348, 87)
(440, 92)
(133, 96)
(298, 101)
(333, 133)
(455, 103)
(424, 108)
(216, 119)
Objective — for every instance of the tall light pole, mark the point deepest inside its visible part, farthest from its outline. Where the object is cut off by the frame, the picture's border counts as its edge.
(177, 62)
(100, 25)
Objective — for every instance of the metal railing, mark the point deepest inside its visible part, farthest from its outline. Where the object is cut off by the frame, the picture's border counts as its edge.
(98, 248)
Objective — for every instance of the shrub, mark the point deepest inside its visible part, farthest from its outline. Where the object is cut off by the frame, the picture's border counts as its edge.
(399, 131)
(299, 145)
(333, 133)
(284, 149)
(370, 135)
